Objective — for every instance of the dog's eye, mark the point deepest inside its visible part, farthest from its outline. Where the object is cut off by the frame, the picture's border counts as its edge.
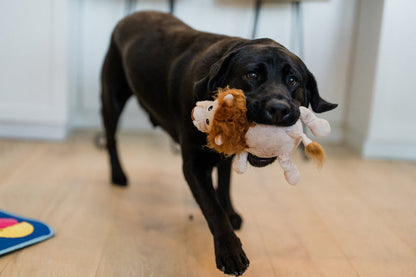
(252, 75)
(291, 81)
(209, 109)
(207, 121)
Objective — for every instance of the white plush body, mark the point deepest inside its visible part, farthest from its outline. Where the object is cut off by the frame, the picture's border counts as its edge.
(268, 141)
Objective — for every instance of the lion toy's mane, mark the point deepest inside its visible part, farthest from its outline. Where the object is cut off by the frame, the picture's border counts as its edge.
(230, 122)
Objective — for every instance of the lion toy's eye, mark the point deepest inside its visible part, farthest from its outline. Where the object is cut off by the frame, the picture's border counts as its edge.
(207, 121)
(210, 108)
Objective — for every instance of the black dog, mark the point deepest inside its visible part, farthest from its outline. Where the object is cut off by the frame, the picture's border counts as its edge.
(169, 66)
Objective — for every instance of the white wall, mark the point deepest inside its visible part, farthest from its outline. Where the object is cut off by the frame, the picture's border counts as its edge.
(392, 130)
(328, 28)
(53, 51)
(329, 40)
(361, 52)
(385, 81)
(33, 53)
(363, 70)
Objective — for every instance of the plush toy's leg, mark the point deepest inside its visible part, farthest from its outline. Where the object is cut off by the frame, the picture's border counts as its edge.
(223, 193)
(291, 172)
(240, 162)
(114, 94)
(319, 126)
(305, 140)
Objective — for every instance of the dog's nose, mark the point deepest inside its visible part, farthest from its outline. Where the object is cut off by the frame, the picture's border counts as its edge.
(277, 111)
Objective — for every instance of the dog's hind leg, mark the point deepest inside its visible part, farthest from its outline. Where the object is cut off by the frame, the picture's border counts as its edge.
(223, 193)
(114, 94)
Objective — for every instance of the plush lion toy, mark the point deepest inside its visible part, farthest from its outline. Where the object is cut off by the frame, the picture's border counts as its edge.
(229, 132)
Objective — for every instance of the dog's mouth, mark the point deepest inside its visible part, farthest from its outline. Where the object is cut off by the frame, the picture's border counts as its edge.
(260, 162)
(268, 118)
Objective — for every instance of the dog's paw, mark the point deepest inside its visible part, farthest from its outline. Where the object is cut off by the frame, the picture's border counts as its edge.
(235, 220)
(229, 255)
(119, 179)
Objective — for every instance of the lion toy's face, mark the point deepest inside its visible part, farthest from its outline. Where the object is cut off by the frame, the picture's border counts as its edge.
(203, 114)
(224, 120)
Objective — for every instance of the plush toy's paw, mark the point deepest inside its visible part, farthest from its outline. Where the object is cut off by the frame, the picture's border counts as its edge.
(320, 128)
(240, 162)
(292, 177)
(229, 255)
(240, 169)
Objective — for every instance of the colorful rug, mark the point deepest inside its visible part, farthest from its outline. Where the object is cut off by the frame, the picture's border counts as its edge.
(17, 232)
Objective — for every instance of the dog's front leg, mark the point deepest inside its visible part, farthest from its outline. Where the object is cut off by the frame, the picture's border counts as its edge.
(223, 193)
(229, 254)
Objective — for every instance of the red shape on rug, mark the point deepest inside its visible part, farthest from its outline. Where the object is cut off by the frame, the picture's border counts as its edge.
(6, 222)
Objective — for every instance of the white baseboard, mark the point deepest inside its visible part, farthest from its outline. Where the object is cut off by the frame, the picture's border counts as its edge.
(127, 122)
(390, 150)
(32, 131)
(396, 149)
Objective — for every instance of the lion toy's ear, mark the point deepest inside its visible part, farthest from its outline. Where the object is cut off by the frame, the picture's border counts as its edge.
(218, 140)
(229, 99)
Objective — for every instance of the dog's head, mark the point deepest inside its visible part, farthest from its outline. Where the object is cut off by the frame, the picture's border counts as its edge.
(275, 81)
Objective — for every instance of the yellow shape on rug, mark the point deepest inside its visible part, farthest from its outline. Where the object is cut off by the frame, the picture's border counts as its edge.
(19, 230)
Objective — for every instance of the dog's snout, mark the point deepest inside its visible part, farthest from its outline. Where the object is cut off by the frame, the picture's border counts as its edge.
(277, 110)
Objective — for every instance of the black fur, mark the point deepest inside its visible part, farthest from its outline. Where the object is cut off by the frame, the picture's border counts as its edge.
(169, 66)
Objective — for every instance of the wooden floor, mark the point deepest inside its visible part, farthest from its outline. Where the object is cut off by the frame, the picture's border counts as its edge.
(353, 218)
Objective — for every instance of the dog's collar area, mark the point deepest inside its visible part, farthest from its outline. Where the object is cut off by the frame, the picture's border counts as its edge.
(258, 161)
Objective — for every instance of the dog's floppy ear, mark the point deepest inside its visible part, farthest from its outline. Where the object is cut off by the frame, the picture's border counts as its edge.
(318, 104)
(205, 87)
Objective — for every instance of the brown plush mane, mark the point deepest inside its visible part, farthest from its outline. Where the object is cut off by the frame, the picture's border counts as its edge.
(229, 121)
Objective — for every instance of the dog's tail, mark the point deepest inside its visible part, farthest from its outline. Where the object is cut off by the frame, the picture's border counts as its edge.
(314, 150)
